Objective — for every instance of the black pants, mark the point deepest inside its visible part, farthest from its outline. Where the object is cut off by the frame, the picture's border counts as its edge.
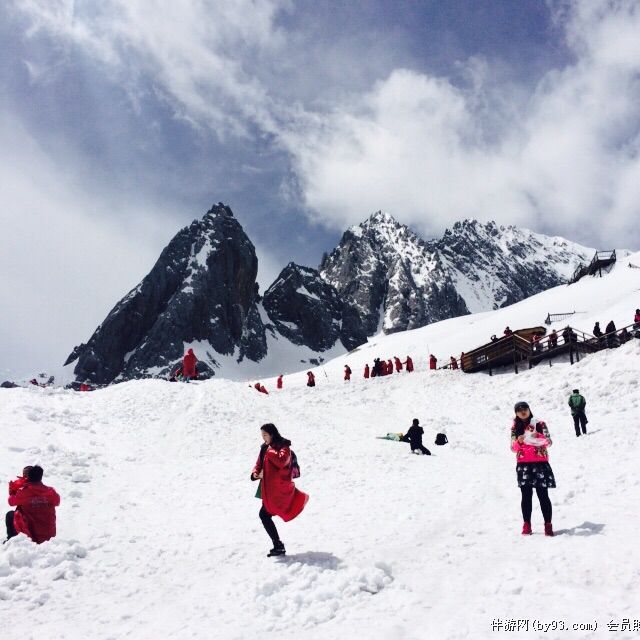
(269, 526)
(11, 530)
(527, 499)
(415, 446)
(580, 421)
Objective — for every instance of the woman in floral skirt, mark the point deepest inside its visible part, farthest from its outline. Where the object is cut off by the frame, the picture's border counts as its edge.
(530, 441)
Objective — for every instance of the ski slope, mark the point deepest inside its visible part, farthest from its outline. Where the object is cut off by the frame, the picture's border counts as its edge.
(158, 530)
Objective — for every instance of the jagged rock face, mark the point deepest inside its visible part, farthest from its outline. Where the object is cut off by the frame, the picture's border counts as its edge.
(308, 311)
(202, 288)
(496, 266)
(397, 281)
(391, 277)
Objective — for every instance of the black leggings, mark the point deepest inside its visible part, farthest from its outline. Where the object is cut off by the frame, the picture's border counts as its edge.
(11, 530)
(420, 447)
(269, 526)
(543, 497)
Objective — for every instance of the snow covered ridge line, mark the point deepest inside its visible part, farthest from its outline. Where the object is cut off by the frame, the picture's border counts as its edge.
(203, 291)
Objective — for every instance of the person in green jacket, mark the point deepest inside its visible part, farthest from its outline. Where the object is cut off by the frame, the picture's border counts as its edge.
(578, 404)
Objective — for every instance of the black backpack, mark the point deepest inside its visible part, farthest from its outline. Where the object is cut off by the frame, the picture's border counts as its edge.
(441, 439)
(295, 467)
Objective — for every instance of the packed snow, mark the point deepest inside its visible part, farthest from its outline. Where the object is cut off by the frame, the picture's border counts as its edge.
(158, 529)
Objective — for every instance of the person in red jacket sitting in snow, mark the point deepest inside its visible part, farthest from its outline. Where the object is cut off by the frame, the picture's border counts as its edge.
(409, 364)
(189, 369)
(278, 492)
(35, 513)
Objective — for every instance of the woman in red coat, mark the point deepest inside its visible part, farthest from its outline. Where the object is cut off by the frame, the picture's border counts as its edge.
(35, 515)
(278, 492)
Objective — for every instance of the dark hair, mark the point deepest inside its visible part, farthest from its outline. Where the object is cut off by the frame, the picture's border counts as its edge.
(277, 441)
(35, 473)
(576, 391)
(416, 421)
(25, 471)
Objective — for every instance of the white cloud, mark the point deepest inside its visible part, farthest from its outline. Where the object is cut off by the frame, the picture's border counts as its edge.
(64, 259)
(561, 156)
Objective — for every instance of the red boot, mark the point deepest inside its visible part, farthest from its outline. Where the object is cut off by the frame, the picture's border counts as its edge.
(526, 529)
(548, 529)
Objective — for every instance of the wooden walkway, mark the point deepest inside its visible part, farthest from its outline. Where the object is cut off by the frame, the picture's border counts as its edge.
(518, 350)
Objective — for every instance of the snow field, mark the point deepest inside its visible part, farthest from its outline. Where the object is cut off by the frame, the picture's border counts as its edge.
(159, 535)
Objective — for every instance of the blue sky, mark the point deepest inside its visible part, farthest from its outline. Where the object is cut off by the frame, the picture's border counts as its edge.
(122, 122)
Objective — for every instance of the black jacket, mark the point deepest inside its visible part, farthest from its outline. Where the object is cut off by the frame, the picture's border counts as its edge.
(414, 435)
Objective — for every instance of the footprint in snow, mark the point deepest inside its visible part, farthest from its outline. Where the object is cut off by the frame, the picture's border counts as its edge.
(313, 587)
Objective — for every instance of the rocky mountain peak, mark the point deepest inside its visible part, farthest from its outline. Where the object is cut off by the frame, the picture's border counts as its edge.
(201, 290)
(399, 281)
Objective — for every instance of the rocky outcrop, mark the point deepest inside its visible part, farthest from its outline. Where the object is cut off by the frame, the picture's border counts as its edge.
(308, 311)
(398, 281)
(201, 290)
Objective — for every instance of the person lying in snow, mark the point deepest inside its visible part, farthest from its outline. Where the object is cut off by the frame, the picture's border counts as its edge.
(35, 513)
(414, 438)
(279, 495)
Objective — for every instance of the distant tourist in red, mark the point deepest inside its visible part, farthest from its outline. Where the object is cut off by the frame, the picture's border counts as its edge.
(347, 372)
(433, 362)
(508, 332)
(389, 366)
(279, 382)
(35, 513)
(189, 369)
(453, 362)
(311, 379)
(408, 363)
(398, 364)
(366, 371)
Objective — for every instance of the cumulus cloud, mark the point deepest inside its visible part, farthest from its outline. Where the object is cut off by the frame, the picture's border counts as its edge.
(560, 156)
(564, 159)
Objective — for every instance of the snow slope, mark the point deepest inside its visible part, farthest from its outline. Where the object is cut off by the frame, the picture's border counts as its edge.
(158, 529)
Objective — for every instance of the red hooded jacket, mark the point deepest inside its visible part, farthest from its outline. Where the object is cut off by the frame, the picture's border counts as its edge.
(279, 383)
(37, 515)
(398, 364)
(366, 370)
(433, 362)
(409, 364)
(189, 364)
(279, 494)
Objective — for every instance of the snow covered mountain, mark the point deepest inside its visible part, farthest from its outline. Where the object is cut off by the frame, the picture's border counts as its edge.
(202, 293)
(201, 289)
(398, 281)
